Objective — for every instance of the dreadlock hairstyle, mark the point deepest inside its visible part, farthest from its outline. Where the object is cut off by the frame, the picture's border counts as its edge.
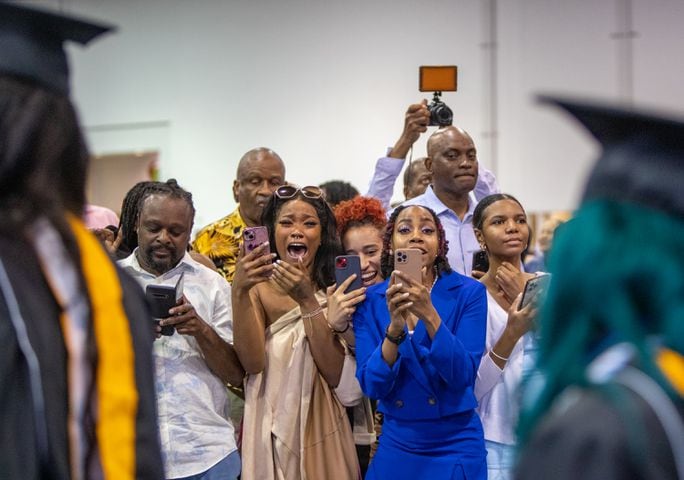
(358, 212)
(324, 262)
(387, 259)
(129, 217)
(635, 292)
(132, 204)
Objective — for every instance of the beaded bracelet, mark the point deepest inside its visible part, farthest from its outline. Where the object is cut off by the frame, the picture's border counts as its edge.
(503, 359)
(307, 316)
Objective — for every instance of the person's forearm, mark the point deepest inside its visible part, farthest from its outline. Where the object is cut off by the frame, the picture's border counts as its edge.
(249, 337)
(503, 348)
(432, 323)
(401, 148)
(327, 352)
(390, 350)
(220, 357)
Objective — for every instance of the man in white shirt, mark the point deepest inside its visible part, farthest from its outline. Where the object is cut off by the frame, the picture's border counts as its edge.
(194, 364)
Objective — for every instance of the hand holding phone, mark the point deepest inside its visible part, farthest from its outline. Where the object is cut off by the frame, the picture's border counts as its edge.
(253, 237)
(535, 287)
(162, 298)
(345, 267)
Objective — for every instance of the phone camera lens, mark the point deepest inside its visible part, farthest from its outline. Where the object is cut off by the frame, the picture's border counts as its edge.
(341, 262)
(249, 235)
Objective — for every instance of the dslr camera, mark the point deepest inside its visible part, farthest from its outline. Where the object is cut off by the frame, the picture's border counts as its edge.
(440, 114)
(439, 79)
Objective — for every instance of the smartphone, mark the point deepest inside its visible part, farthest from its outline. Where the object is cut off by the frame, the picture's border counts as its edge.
(534, 286)
(253, 237)
(345, 266)
(480, 261)
(410, 262)
(162, 298)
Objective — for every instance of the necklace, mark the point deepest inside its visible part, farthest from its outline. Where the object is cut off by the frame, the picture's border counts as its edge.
(433, 282)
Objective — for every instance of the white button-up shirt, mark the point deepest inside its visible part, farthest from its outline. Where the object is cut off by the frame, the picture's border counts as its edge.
(193, 405)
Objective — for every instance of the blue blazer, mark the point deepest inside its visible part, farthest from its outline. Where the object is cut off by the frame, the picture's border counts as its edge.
(431, 378)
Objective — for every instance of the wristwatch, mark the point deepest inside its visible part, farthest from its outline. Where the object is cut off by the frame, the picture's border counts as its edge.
(395, 340)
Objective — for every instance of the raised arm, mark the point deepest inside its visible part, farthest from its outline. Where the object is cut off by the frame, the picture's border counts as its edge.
(494, 361)
(388, 168)
(249, 323)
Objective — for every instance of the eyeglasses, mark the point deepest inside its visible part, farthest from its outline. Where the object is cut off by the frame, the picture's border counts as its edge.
(289, 191)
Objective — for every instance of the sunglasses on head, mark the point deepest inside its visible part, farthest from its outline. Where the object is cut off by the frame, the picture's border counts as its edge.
(288, 191)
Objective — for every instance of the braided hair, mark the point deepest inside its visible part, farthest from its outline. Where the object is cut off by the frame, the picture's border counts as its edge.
(387, 259)
(132, 204)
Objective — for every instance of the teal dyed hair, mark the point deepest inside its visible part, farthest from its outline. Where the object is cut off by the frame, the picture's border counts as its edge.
(618, 277)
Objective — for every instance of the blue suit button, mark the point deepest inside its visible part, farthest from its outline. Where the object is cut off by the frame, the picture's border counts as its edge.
(399, 404)
(432, 401)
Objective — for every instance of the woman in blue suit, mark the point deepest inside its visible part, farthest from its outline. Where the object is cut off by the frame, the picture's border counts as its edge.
(418, 347)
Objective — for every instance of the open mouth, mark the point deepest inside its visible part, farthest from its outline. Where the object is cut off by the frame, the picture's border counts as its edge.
(297, 250)
(368, 277)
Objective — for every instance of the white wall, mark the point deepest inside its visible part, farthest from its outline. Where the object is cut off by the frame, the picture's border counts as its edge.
(326, 83)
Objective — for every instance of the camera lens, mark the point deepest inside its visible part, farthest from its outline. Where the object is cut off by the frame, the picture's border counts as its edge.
(341, 262)
(249, 235)
(440, 114)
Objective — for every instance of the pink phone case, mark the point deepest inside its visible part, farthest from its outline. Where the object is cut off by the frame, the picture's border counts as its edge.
(409, 261)
(253, 237)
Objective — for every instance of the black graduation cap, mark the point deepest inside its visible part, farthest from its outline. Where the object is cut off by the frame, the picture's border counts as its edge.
(32, 43)
(643, 154)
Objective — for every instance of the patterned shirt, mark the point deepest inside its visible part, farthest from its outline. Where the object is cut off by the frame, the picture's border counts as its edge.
(192, 402)
(220, 241)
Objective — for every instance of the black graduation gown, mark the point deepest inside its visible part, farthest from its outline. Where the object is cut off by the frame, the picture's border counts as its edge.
(593, 441)
(18, 448)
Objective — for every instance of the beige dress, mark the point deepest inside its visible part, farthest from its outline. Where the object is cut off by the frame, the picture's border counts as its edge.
(294, 427)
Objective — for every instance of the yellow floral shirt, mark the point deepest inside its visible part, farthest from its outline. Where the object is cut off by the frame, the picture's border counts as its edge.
(220, 241)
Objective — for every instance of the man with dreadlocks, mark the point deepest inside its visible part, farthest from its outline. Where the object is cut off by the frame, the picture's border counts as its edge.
(194, 363)
(76, 391)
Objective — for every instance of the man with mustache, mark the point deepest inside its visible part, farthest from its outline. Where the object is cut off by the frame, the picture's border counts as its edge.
(259, 173)
(195, 362)
(458, 182)
(452, 160)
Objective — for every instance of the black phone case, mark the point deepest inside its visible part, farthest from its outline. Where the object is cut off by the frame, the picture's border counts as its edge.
(345, 266)
(161, 298)
(480, 261)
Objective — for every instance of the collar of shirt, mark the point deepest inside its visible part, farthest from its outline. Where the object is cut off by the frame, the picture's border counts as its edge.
(131, 263)
(431, 200)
